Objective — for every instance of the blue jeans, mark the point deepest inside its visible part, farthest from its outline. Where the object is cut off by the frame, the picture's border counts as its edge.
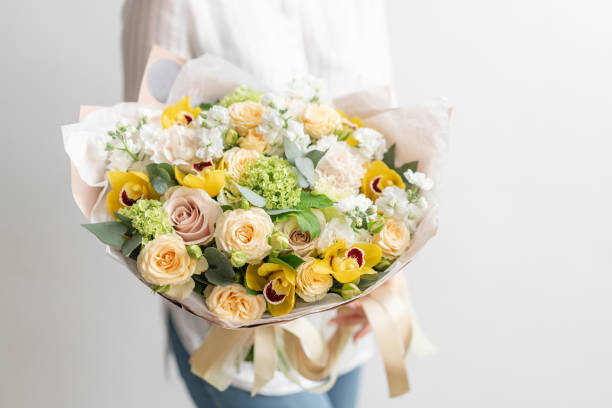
(342, 395)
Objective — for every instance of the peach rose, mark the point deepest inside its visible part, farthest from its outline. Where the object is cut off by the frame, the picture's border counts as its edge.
(245, 115)
(246, 231)
(320, 120)
(234, 304)
(300, 242)
(164, 261)
(393, 239)
(253, 141)
(236, 160)
(313, 280)
(193, 214)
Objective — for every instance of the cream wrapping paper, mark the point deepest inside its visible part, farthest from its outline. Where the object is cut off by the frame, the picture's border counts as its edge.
(420, 133)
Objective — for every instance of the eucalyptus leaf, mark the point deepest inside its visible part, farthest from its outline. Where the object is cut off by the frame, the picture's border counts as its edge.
(301, 181)
(167, 167)
(125, 220)
(110, 232)
(252, 197)
(220, 271)
(306, 167)
(131, 244)
(282, 211)
(292, 151)
(315, 156)
(159, 184)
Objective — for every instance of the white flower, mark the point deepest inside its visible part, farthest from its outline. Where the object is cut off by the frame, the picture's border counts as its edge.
(342, 166)
(371, 143)
(217, 116)
(211, 144)
(393, 202)
(308, 89)
(295, 133)
(338, 229)
(422, 203)
(419, 179)
(119, 160)
(271, 129)
(354, 203)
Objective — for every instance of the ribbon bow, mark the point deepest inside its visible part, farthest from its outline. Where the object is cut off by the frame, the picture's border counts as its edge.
(387, 309)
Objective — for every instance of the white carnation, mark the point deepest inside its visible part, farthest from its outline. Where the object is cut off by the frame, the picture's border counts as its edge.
(370, 142)
(419, 179)
(342, 166)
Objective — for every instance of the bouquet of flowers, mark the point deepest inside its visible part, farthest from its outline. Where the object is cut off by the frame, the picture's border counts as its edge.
(250, 206)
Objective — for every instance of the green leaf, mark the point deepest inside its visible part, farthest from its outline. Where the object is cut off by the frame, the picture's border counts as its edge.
(389, 157)
(206, 106)
(292, 151)
(413, 165)
(278, 261)
(110, 232)
(309, 222)
(251, 196)
(250, 291)
(201, 279)
(131, 244)
(226, 208)
(220, 271)
(159, 184)
(167, 167)
(305, 166)
(291, 259)
(308, 200)
(315, 156)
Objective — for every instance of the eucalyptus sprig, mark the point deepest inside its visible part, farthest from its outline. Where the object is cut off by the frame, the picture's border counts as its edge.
(303, 164)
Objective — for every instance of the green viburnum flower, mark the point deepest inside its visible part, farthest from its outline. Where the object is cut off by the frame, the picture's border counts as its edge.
(273, 179)
(240, 94)
(149, 218)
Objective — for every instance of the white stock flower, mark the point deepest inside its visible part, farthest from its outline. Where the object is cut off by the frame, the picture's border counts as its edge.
(295, 133)
(419, 179)
(211, 144)
(393, 202)
(217, 116)
(119, 160)
(354, 203)
(338, 229)
(370, 142)
(308, 89)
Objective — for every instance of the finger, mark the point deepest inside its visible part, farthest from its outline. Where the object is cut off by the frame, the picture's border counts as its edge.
(362, 332)
(348, 319)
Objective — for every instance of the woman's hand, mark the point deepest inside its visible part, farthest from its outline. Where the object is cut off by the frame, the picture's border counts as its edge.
(357, 317)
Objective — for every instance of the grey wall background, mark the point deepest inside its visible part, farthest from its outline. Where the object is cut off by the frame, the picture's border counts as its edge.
(515, 289)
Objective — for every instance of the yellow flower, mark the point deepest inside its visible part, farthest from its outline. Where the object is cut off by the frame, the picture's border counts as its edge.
(127, 188)
(181, 113)
(348, 264)
(377, 177)
(208, 179)
(277, 283)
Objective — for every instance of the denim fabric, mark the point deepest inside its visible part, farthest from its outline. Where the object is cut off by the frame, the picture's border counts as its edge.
(342, 395)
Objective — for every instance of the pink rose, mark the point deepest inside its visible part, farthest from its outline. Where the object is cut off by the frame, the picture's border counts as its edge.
(193, 214)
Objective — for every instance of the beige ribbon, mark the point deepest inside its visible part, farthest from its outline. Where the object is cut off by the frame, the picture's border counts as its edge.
(387, 310)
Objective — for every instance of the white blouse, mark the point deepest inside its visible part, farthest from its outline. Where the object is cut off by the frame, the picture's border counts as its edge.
(343, 42)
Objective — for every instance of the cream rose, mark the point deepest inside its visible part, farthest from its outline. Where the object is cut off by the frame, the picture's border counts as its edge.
(164, 261)
(233, 303)
(313, 281)
(393, 239)
(300, 242)
(246, 231)
(246, 115)
(193, 214)
(320, 120)
(253, 141)
(236, 160)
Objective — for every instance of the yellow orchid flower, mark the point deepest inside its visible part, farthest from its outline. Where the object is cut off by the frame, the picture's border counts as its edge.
(207, 179)
(348, 264)
(127, 188)
(377, 177)
(277, 283)
(181, 113)
(355, 120)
